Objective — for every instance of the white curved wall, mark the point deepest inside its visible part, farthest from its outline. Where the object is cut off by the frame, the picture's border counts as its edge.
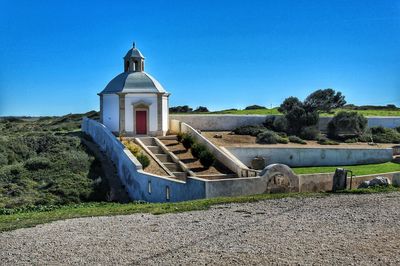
(111, 112)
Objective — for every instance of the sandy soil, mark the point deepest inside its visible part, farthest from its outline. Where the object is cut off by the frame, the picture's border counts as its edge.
(338, 229)
(249, 141)
(192, 163)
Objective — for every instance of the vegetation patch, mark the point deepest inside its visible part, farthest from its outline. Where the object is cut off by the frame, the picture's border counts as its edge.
(365, 169)
(43, 163)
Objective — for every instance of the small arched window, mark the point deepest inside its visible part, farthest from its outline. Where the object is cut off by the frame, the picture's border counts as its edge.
(136, 66)
(126, 66)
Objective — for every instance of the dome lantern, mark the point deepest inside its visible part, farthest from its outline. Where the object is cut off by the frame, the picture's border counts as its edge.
(133, 60)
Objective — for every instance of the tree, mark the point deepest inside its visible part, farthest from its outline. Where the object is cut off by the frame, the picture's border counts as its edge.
(289, 103)
(201, 109)
(324, 100)
(255, 107)
(347, 124)
(180, 109)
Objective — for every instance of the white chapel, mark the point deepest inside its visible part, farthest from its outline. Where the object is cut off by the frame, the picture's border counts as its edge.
(134, 103)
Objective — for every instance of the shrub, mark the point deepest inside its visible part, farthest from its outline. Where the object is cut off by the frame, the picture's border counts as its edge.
(280, 124)
(309, 133)
(269, 122)
(179, 136)
(267, 137)
(187, 141)
(296, 139)
(326, 141)
(351, 140)
(385, 135)
(270, 137)
(132, 147)
(143, 159)
(37, 163)
(249, 130)
(397, 129)
(347, 124)
(3, 159)
(196, 149)
(206, 158)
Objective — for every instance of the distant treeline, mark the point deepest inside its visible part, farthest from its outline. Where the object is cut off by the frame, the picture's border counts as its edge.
(203, 109)
(371, 107)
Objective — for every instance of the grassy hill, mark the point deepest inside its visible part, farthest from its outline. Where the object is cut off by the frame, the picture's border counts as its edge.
(42, 162)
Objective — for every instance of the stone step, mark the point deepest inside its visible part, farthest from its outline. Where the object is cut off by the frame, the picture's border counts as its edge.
(168, 137)
(173, 167)
(180, 175)
(155, 149)
(164, 158)
(148, 141)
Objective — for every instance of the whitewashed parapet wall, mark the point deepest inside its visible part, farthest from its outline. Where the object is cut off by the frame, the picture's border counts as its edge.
(141, 185)
(230, 162)
(215, 122)
(297, 157)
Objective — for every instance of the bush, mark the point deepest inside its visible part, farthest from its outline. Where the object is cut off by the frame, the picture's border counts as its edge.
(397, 129)
(280, 124)
(384, 135)
(296, 139)
(326, 141)
(143, 159)
(309, 133)
(187, 141)
(132, 147)
(351, 140)
(347, 125)
(196, 149)
(255, 107)
(37, 163)
(179, 136)
(269, 122)
(270, 137)
(206, 158)
(249, 130)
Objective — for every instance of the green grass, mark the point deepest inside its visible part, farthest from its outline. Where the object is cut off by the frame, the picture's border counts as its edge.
(274, 111)
(28, 218)
(357, 169)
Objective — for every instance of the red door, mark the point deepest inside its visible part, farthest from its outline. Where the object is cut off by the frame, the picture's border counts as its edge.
(141, 122)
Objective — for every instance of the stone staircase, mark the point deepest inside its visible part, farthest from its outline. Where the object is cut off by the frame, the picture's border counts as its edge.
(164, 157)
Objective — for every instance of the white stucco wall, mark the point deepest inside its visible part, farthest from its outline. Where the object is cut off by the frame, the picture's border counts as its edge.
(165, 113)
(312, 156)
(151, 100)
(221, 122)
(111, 111)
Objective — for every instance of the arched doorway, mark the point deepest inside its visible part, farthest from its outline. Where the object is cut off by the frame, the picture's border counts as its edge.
(141, 119)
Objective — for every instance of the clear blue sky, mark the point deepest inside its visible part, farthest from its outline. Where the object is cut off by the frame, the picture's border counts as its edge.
(55, 56)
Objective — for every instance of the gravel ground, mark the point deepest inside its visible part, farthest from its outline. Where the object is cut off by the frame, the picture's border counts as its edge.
(340, 229)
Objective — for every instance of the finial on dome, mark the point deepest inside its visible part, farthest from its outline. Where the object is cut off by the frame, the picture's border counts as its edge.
(133, 45)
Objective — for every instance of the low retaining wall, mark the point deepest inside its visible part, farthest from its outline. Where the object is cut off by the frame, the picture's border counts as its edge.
(229, 122)
(233, 164)
(296, 157)
(141, 185)
(323, 182)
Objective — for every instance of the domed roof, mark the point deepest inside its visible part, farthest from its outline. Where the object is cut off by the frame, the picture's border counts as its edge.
(133, 53)
(133, 82)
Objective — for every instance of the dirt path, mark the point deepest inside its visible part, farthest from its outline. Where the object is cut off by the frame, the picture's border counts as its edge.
(343, 229)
